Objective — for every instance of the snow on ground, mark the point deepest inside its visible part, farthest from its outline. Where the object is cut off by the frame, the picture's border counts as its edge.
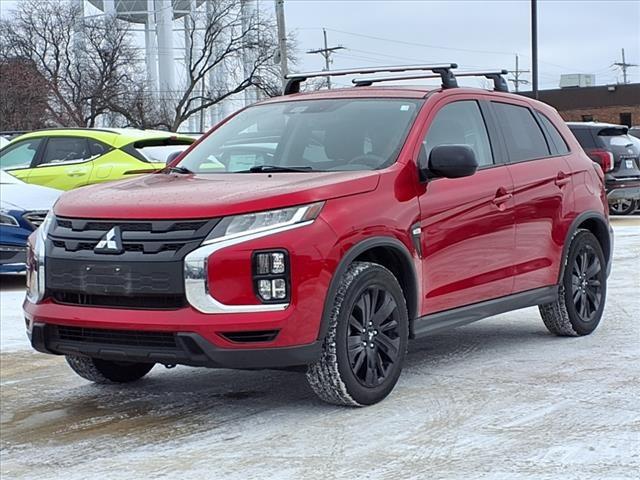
(498, 399)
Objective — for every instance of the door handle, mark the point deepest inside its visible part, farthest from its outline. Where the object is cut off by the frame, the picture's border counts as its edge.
(502, 198)
(76, 173)
(562, 179)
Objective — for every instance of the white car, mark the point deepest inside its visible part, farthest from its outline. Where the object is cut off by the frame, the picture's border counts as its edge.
(3, 141)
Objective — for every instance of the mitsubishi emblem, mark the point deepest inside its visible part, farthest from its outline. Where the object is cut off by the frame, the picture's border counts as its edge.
(110, 243)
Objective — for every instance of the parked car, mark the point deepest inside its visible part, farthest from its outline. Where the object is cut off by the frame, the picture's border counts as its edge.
(618, 153)
(71, 158)
(383, 215)
(22, 209)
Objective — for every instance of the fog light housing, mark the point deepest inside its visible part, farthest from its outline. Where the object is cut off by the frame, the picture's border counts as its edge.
(271, 276)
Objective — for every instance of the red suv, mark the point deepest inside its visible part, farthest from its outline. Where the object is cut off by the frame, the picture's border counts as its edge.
(325, 230)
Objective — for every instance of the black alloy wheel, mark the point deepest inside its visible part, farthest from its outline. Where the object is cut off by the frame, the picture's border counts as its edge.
(373, 338)
(586, 283)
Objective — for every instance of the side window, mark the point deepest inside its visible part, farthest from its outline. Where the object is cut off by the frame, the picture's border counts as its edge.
(524, 139)
(19, 155)
(561, 147)
(460, 123)
(62, 150)
(97, 148)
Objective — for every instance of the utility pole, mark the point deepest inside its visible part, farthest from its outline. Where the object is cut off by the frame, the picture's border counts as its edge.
(623, 66)
(282, 40)
(326, 52)
(534, 47)
(517, 80)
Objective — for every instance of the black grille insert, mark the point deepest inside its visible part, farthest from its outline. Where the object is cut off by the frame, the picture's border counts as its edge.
(132, 338)
(160, 302)
(255, 336)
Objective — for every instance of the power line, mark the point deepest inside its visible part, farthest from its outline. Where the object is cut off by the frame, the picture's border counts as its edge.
(326, 52)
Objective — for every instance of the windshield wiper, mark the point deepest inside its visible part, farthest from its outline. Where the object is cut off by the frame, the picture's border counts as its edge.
(275, 168)
(178, 169)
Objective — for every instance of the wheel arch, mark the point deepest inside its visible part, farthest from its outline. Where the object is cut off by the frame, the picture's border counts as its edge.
(386, 251)
(598, 225)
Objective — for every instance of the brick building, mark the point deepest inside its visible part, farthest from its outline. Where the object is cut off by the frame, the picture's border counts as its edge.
(618, 104)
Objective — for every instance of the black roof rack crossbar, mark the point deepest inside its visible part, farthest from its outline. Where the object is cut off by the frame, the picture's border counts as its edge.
(443, 70)
(499, 83)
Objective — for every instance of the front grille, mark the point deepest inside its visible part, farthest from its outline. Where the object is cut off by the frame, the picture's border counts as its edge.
(147, 274)
(255, 336)
(131, 338)
(35, 219)
(164, 302)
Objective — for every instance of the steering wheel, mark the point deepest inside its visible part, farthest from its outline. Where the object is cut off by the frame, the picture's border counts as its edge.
(369, 159)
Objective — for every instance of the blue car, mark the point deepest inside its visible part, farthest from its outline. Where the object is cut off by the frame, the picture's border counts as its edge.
(22, 209)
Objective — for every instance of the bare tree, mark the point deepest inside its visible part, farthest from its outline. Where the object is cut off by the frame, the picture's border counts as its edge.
(88, 64)
(23, 96)
(225, 39)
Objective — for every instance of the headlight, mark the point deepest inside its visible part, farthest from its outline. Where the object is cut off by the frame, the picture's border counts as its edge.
(6, 219)
(36, 260)
(240, 225)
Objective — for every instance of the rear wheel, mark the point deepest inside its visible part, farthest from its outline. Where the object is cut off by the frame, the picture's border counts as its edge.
(106, 371)
(622, 206)
(583, 289)
(366, 343)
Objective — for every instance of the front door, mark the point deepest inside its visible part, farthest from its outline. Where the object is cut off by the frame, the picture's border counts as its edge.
(467, 224)
(65, 164)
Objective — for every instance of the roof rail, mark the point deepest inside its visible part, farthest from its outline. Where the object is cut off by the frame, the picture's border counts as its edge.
(499, 83)
(442, 70)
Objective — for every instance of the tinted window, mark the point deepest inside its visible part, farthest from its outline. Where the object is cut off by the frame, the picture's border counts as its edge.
(20, 154)
(97, 148)
(323, 135)
(460, 123)
(557, 139)
(524, 139)
(65, 149)
(584, 137)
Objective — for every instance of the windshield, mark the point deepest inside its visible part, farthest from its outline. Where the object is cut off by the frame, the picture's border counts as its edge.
(319, 135)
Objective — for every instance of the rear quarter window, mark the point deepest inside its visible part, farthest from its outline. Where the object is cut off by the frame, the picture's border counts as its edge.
(523, 136)
(559, 145)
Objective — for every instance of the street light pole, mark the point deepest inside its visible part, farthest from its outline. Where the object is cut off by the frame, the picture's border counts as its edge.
(282, 39)
(534, 47)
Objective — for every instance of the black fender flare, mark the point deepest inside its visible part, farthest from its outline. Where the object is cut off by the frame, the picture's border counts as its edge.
(605, 237)
(358, 249)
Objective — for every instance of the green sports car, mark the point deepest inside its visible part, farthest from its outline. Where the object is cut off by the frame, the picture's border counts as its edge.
(70, 158)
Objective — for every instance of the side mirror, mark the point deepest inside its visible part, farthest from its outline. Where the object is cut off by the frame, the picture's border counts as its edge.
(449, 161)
(173, 155)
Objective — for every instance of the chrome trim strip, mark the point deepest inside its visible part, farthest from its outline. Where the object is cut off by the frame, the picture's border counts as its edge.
(195, 275)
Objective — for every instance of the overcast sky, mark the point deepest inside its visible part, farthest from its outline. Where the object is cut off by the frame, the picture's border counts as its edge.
(574, 36)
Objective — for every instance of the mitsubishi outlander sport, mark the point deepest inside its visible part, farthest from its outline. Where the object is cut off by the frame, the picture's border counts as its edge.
(324, 231)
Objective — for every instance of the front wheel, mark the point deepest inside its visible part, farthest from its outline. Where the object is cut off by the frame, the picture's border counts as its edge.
(106, 371)
(366, 343)
(583, 289)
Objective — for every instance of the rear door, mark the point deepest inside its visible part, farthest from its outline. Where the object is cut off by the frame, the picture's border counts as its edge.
(542, 192)
(467, 224)
(64, 164)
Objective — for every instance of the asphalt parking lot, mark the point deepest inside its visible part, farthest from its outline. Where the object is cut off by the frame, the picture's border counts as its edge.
(499, 399)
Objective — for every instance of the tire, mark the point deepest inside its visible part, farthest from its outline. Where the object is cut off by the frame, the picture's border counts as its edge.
(362, 353)
(622, 207)
(105, 371)
(583, 290)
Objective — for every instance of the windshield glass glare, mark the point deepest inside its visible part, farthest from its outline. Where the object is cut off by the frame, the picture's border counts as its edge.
(318, 135)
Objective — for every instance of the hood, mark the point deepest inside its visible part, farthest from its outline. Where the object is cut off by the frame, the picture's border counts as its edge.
(22, 196)
(174, 196)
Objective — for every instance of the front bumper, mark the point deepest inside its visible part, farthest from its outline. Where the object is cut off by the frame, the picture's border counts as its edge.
(12, 259)
(190, 349)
